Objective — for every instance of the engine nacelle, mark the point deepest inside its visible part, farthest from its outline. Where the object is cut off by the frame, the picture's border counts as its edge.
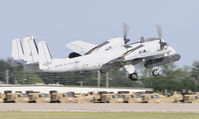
(162, 61)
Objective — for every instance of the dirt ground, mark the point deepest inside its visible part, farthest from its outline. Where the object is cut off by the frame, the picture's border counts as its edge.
(97, 115)
(100, 107)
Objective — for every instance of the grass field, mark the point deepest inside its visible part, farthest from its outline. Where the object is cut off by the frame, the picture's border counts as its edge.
(97, 115)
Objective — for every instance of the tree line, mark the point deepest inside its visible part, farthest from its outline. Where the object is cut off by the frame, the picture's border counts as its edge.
(171, 77)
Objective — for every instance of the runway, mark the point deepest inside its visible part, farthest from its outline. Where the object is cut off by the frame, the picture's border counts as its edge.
(100, 107)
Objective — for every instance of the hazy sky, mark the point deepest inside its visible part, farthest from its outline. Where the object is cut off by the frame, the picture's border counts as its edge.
(61, 21)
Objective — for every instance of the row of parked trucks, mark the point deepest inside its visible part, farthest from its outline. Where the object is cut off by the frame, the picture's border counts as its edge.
(100, 97)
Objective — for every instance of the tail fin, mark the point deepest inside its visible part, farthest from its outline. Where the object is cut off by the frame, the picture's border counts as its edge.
(30, 50)
(44, 55)
(17, 51)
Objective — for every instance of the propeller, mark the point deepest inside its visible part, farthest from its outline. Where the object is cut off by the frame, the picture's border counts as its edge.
(125, 32)
(159, 31)
(142, 39)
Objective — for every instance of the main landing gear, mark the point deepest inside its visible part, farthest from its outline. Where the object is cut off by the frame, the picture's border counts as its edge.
(131, 70)
(155, 72)
(133, 76)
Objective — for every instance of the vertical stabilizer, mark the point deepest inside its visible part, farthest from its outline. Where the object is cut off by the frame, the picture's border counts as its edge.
(30, 50)
(17, 51)
(44, 55)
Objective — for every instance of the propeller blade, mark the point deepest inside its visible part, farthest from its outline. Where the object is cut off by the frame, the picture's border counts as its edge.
(125, 32)
(142, 39)
(159, 31)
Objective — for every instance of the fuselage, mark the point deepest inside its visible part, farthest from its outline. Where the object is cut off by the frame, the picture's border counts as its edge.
(96, 60)
(92, 61)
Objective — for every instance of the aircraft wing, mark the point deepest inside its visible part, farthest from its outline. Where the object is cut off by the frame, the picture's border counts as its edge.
(80, 47)
(148, 55)
(134, 60)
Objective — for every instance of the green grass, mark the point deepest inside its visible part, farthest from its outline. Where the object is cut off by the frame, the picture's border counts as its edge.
(97, 115)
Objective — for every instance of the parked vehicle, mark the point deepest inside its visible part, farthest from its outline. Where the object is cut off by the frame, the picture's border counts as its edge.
(37, 97)
(17, 97)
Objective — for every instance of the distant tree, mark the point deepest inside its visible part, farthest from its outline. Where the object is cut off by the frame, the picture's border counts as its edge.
(195, 70)
(167, 69)
(3, 67)
(171, 77)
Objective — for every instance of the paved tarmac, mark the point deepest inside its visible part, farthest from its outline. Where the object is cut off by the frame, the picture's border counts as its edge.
(100, 107)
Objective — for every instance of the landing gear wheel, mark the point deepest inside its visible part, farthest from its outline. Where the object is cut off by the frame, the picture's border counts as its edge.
(155, 72)
(133, 76)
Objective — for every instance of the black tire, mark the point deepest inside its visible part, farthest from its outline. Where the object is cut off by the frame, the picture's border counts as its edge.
(133, 76)
(53, 91)
(29, 91)
(7, 91)
(122, 92)
(155, 72)
(102, 92)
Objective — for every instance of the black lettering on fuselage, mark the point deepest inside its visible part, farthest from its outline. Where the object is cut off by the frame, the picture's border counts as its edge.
(67, 64)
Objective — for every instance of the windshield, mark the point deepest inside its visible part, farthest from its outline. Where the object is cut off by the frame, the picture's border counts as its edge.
(118, 96)
(43, 95)
(23, 95)
(68, 95)
(135, 96)
(156, 96)
(197, 97)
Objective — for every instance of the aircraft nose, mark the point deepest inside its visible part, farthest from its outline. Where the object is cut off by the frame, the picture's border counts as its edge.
(177, 57)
